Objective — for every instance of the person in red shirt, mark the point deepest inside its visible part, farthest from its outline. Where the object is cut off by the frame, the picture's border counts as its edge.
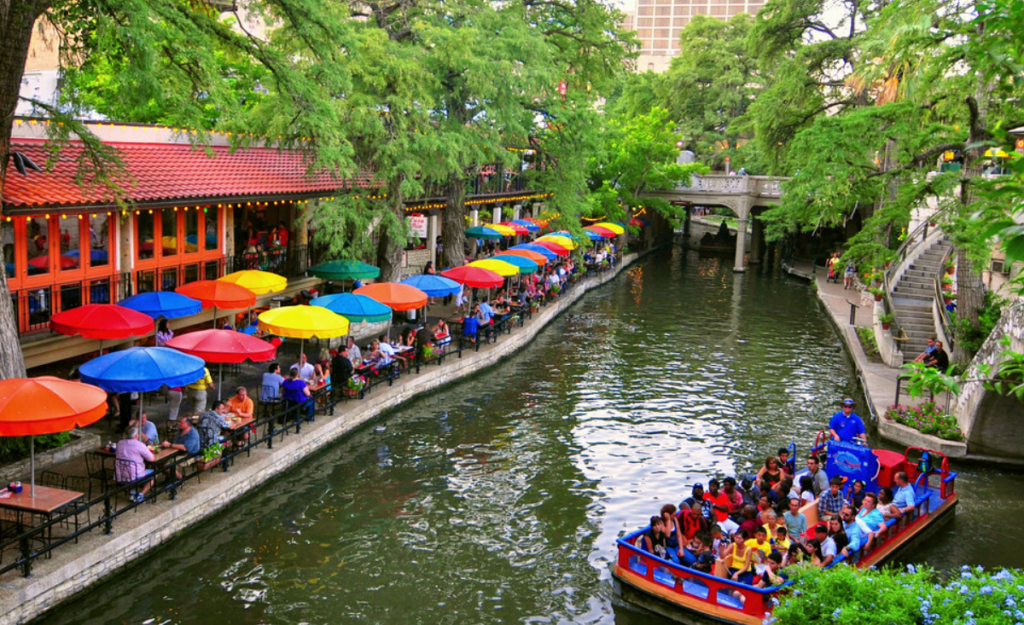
(282, 233)
(734, 496)
(719, 503)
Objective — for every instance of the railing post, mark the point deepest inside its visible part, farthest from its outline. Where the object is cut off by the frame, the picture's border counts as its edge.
(108, 514)
(26, 554)
(853, 313)
(899, 383)
(270, 431)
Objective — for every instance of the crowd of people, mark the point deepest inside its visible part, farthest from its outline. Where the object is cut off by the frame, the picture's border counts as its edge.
(749, 528)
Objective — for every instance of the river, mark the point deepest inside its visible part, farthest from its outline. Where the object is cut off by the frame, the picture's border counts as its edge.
(498, 499)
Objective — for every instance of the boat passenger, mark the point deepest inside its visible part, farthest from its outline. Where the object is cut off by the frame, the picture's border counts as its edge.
(703, 555)
(734, 497)
(905, 499)
(770, 474)
(696, 496)
(831, 501)
(760, 544)
(718, 543)
(846, 425)
(818, 474)
(814, 552)
(655, 541)
(796, 554)
(691, 522)
(870, 519)
(718, 503)
(771, 523)
(837, 533)
(778, 495)
(796, 521)
(854, 536)
(772, 574)
(763, 505)
(786, 464)
(749, 515)
(782, 541)
(827, 546)
(738, 560)
(672, 531)
(857, 496)
(749, 490)
(806, 490)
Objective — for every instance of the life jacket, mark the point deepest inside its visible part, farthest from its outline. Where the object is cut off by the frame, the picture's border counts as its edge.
(689, 524)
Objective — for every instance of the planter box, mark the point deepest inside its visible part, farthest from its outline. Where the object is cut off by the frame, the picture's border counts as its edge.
(208, 464)
(81, 442)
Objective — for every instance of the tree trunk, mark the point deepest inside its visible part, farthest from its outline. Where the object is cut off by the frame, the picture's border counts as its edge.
(389, 248)
(17, 19)
(970, 298)
(453, 236)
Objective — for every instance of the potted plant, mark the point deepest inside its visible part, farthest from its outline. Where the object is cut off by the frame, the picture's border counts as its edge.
(950, 267)
(429, 352)
(948, 298)
(210, 456)
(886, 319)
(878, 292)
(947, 283)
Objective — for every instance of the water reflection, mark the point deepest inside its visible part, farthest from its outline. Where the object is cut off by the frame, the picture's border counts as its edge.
(499, 500)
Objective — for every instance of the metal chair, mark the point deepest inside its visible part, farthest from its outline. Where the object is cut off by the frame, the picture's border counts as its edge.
(96, 467)
(126, 467)
(52, 479)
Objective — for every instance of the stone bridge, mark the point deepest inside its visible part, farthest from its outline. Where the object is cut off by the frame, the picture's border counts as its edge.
(740, 194)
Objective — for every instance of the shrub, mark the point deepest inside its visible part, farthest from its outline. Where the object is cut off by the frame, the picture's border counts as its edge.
(846, 596)
(867, 341)
(14, 448)
(927, 418)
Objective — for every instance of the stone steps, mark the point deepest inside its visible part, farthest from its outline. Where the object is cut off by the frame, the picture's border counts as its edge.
(913, 297)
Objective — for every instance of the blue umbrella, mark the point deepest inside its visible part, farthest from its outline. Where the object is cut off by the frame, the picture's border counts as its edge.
(525, 264)
(540, 249)
(529, 225)
(354, 307)
(141, 369)
(96, 256)
(433, 285)
(593, 235)
(163, 303)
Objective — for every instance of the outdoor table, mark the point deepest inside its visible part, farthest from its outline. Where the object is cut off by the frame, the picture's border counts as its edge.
(47, 501)
(442, 339)
(162, 455)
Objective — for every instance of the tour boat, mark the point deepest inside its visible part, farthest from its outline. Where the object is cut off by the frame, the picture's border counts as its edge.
(689, 596)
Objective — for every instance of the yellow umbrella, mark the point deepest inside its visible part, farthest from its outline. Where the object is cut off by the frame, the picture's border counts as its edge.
(616, 228)
(259, 282)
(504, 230)
(303, 322)
(565, 242)
(998, 152)
(499, 267)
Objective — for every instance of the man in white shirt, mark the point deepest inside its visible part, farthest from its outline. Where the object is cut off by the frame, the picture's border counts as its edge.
(828, 545)
(354, 354)
(306, 370)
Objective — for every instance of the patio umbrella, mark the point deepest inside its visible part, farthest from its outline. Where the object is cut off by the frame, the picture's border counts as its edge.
(536, 249)
(303, 322)
(42, 262)
(601, 231)
(433, 285)
(162, 304)
(217, 294)
(561, 233)
(536, 257)
(259, 282)
(395, 295)
(529, 225)
(223, 346)
(525, 265)
(615, 227)
(102, 321)
(47, 405)
(499, 267)
(504, 230)
(344, 270)
(593, 236)
(483, 232)
(474, 277)
(354, 307)
(141, 369)
(515, 227)
(565, 242)
(554, 248)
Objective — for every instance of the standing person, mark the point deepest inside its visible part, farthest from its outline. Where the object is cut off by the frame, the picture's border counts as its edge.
(163, 333)
(197, 391)
(848, 276)
(174, 402)
(830, 264)
(846, 425)
(282, 234)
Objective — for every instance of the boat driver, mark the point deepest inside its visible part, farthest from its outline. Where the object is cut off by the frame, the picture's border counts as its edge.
(846, 425)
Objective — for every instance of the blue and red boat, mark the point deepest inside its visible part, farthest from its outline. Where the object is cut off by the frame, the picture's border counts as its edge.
(690, 596)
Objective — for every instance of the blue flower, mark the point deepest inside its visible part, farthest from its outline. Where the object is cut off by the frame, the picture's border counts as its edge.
(1003, 575)
(964, 590)
(836, 614)
(986, 590)
(911, 569)
(1011, 602)
(966, 575)
(968, 614)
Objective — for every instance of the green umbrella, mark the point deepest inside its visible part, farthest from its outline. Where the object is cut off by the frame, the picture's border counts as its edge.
(483, 232)
(344, 270)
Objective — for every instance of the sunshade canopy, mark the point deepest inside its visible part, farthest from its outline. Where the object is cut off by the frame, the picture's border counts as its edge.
(259, 282)
(565, 242)
(515, 227)
(474, 277)
(525, 265)
(395, 295)
(433, 285)
(162, 304)
(536, 257)
(552, 247)
(102, 321)
(529, 225)
(354, 307)
(303, 322)
(344, 270)
(601, 231)
(47, 405)
(536, 249)
(504, 230)
(499, 267)
(142, 369)
(483, 232)
(220, 294)
(593, 236)
(615, 227)
(223, 346)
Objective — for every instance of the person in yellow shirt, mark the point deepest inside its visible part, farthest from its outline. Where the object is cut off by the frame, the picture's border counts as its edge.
(197, 391)
(760, 545)
(781, 542)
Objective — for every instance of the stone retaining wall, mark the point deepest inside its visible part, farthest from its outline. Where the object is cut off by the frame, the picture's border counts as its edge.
(25, 599)
(81, 442)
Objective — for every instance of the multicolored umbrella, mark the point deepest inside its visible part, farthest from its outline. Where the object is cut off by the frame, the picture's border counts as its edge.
(525, 265)
(354, 307)
(259, 282)
(565, 242)
(554, 248)
(166, 304)
(529, 225)
(515, 227)
(601, 231)
(614, 226)
(504, 230)
(536, 257)
(474, 277)
(433, 285)
(497, 266)
(483, 232)
(395, 295)
(344, 270)
(536, 249)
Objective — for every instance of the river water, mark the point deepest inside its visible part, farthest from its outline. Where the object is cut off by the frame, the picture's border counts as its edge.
(498, 499)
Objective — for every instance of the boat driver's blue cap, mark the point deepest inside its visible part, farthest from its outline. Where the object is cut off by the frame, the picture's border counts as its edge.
(698, 485)
(848, 402)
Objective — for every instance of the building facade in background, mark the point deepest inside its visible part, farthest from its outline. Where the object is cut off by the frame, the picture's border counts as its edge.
(658, 23)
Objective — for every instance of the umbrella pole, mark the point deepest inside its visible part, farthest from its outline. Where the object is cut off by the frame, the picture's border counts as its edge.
(32, 464)
(220, 379)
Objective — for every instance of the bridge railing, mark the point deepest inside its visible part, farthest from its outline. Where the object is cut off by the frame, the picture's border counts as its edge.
(749, 185)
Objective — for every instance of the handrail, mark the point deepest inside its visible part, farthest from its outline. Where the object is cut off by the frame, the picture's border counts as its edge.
(945, 321)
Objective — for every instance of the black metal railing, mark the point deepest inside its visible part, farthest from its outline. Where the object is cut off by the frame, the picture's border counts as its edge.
(28, 542)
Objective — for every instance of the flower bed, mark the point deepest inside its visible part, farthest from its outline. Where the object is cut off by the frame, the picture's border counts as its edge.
(927, 418)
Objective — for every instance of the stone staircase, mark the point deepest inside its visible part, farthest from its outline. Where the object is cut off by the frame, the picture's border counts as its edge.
(913, 297)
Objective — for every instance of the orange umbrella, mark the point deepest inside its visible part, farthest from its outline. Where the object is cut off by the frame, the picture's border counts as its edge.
(217, 294)
(395, 295)
(540, 259)
(46, 405)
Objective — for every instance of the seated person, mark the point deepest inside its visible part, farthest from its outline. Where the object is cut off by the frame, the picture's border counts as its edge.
(470, 326)
(703, 555)
(870, 520)
(782, 541)
(760, 544)
(485, 313)
(389, 351)
(806, 490)
(888, 509)
(927, 353)
(296, 392)
(857, 496)
(786, 464)
(241, 404)
(342, 367)
(772, 575)
(831, 501)
(676, 541)
(826, 545)
(692, 521)
(354, 353)
(718, 504)
(854, 537)
(796, 554)
(796, 521)
(749, 523)
(133, 454)
(779, 495)
(738, 560)
(187, 440)
(147, 430)
(655, 541)
(771, 523)
(271, 383)
(441, 329)
(905, 498)
(212, 423)
(770, 474)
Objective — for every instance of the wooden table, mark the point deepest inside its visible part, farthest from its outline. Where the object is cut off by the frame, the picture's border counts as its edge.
(162, 455)
(47, 500)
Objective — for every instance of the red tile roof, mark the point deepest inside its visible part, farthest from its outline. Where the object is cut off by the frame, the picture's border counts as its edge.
(160, 172)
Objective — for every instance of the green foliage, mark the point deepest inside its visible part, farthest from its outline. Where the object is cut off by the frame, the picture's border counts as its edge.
(927, 418)
(845, 595)
(14, 448)
(211, 452)
(867, 341)
(921, 378)
(973, 336)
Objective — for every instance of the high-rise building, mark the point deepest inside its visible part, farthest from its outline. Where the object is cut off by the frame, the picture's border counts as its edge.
(658, 23)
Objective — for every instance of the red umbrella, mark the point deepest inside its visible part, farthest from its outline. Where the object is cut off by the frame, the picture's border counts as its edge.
(554, 248)
(604, 232)
(222, 346)
(66, 262)
(474, 277)
(102, 321)
(520, 229)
